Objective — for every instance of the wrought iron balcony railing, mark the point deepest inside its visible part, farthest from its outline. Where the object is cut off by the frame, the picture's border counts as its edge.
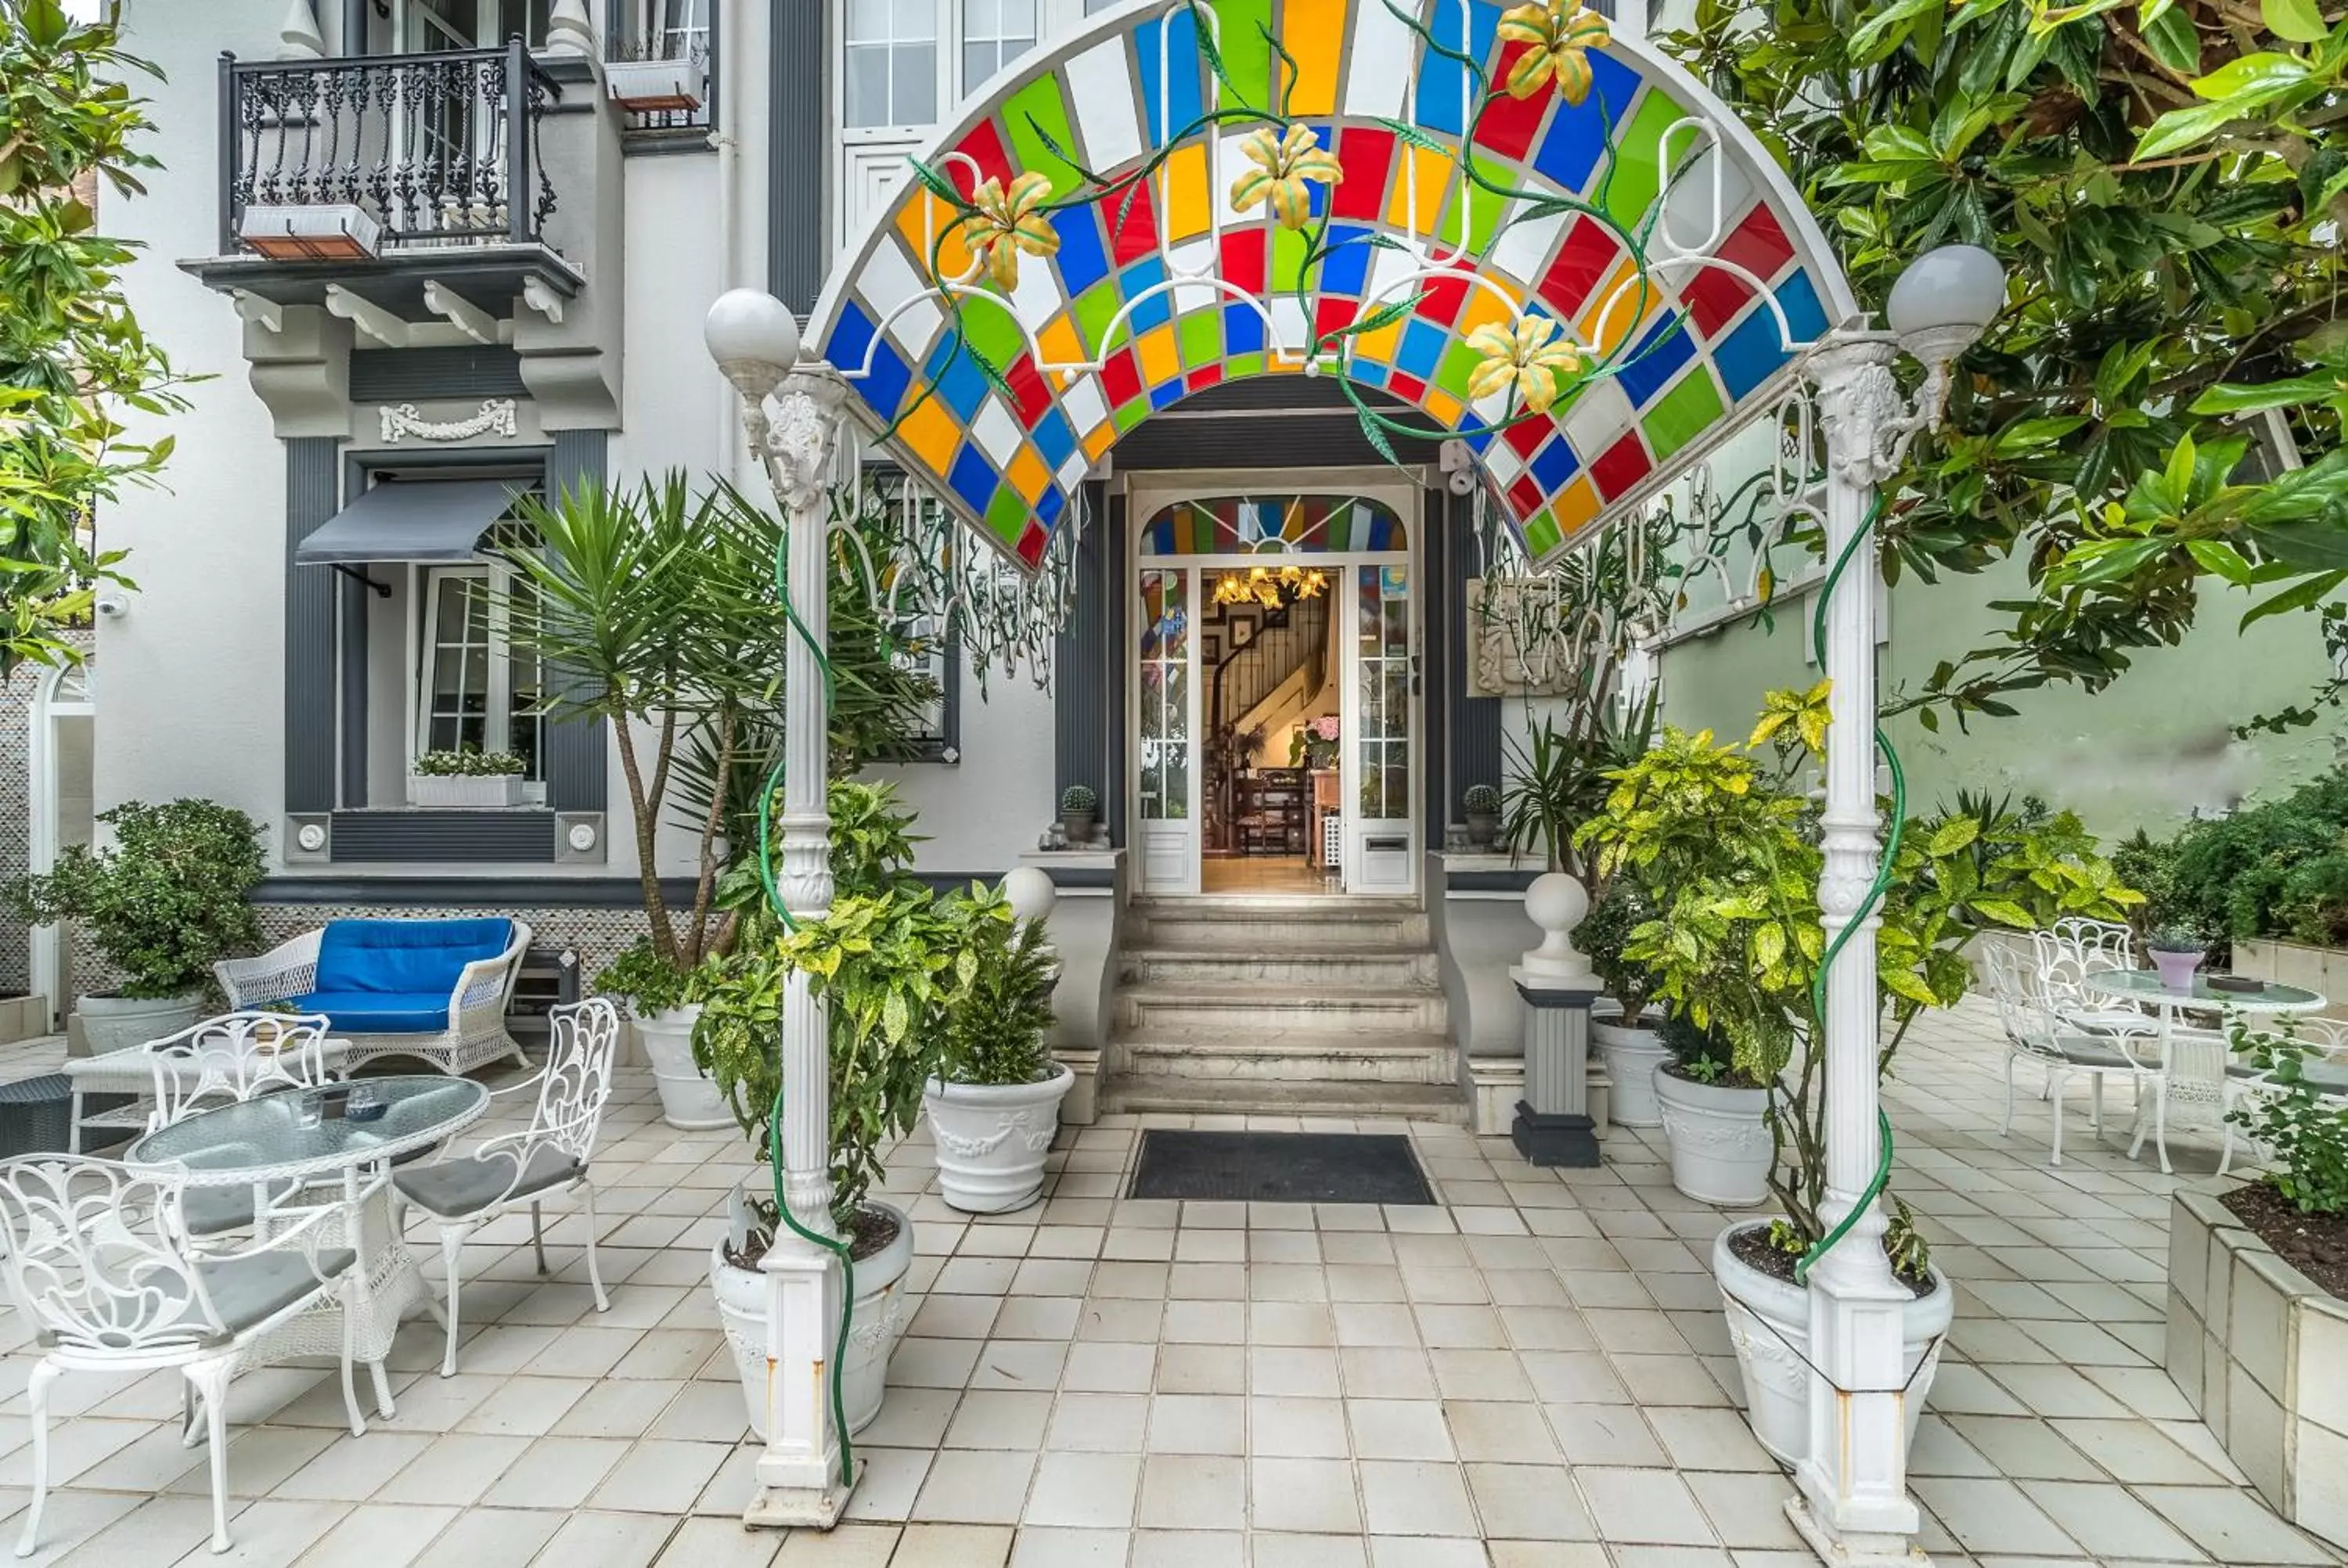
(437, 148)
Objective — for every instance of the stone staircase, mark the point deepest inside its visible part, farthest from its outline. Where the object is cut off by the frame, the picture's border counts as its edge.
(1302, 1006)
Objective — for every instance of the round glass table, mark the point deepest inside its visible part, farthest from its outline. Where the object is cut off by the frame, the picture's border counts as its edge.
(2146, 985)
(300, 1141)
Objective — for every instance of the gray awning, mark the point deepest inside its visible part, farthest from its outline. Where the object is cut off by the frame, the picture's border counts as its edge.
(437, 520)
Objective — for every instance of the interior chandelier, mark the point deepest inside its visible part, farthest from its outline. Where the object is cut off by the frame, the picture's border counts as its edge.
(1271, 587)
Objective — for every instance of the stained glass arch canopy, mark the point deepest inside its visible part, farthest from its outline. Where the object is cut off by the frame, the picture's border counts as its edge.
(1643, 221)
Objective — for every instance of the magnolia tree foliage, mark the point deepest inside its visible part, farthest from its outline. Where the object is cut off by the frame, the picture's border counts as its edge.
(2160, 403)
(72, 358)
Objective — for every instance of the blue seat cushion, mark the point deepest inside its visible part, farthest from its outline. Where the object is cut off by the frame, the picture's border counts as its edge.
(380, 1012)
(404, 957)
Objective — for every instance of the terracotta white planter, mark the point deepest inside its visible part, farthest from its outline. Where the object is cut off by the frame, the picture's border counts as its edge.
(1720, 1140)
(648, 86)
(1769, 1325)
(479, 792)
(109, 1024)
(1631, 1054)
(992, 1138)
(689, 1101)
(882, 1312)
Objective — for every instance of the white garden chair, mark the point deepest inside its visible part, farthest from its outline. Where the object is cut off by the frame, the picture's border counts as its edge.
(97, 1258)
(2194, 1089)
(547, 1159)
(2107, 943)
(2026, 1009)
(221, 1062)
(2063, 963)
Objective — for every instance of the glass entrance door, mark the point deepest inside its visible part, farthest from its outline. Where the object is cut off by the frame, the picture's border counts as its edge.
(1166, 708)
(1380, 770)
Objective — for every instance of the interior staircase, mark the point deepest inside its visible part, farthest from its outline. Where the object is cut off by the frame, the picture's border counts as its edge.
(1297, 1006)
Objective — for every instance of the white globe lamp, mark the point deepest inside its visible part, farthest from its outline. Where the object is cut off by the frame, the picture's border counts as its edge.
(754, 338)
(1944, 300)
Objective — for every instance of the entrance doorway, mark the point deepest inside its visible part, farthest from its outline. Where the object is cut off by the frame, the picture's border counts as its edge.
(1275, 696)
(64, 732)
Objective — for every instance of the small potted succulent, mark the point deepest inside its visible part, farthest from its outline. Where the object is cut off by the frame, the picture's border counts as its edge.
(1483, 807)
(2177, 953)
(1079, 809)
(467, 778)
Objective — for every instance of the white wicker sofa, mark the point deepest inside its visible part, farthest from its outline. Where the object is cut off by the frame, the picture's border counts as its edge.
(436, 991)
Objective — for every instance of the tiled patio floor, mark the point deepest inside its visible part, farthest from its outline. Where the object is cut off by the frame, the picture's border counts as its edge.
(1535, 1373)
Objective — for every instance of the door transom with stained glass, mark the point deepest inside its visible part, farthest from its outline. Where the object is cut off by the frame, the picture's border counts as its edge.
(1274, 697)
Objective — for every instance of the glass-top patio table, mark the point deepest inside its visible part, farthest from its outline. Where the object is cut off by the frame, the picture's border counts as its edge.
(2146, 985)
(304, 1139)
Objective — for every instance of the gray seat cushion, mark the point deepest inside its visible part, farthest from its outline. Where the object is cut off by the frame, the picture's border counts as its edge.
(454, 1189)
(213, 1211)
(253, 1289)
(2082, 1052)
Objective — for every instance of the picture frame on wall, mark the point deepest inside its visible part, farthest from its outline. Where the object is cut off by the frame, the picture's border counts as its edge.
(1242, 627)
(1211, 648)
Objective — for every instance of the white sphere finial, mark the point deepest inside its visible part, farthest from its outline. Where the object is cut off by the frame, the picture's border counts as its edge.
(1557, 904)
(754, 338)
(1030, 892)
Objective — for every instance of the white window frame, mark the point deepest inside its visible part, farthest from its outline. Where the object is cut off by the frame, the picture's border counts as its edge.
(496, 731)
(490, 24)
(965, 37)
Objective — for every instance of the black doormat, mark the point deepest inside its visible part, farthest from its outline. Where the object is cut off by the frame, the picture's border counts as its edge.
(1279, 1168)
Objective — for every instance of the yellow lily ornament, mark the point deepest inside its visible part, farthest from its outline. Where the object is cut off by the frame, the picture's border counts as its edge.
(1525, 355)
(1561, 33)
(1283, 164)
(1008, 222)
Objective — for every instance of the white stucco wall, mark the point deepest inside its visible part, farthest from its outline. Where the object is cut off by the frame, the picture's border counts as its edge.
(983, 812)
(190, 702)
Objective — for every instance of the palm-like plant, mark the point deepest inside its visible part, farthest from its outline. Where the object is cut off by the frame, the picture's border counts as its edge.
(1561, 779)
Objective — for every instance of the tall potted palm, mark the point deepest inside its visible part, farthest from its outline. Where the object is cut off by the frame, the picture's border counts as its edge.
(652, 611)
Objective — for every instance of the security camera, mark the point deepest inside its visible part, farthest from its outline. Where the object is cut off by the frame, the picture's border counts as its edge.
(113, 606)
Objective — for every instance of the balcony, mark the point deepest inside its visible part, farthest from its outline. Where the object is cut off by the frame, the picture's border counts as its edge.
(406, 188)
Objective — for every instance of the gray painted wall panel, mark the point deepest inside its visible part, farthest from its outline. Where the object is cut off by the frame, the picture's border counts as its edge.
(362, 837)
(1475, 721)
(799, 146)
(311, 750)
(1083, 670)
(472, 370)
(577, 775)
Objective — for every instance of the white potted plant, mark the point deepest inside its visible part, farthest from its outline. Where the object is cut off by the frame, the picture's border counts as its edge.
(1626, 1032)
(2176, 954)
(466, 777)
(662, 1014)
(994, 1102)
(163, 903)
(884, 959)
(1715, 1118)
(1728, 851)
(645, 83)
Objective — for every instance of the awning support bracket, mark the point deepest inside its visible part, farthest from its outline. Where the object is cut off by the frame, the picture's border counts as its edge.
(382, 589)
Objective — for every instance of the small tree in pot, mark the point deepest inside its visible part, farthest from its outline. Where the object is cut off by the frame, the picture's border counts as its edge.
(163, 904)
(1729, 853)
(1622, 1026)
(994, 1104)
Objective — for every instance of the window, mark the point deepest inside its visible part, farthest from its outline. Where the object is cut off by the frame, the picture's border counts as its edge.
(437, 24)
(891, 49)
(919, 645)
(994, 34)
(476, 693)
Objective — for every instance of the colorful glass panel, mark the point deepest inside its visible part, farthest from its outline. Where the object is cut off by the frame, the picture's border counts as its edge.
(1690, 340)
(1273, 525)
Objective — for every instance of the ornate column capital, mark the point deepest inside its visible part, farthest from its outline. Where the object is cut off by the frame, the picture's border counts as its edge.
(1867, 418)
(795, 429)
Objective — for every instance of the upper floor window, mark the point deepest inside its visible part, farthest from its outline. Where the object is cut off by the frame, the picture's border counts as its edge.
(994, 34)
(430, 27)
(891, 49)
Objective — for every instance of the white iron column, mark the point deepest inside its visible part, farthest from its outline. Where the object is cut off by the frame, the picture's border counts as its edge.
(799, 1482)
(1854, 1505)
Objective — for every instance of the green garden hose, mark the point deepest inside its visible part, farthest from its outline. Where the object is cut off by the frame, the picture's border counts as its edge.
(838, 1247)
(1874, 897)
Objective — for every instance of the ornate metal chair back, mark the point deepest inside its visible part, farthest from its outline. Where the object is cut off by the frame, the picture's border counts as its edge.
(235, 1057)
(96, 1256)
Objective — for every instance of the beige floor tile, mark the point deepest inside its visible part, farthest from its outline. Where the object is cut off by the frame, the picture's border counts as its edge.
(380, 1535)
(974, 1486)
(609, 1540)
(1087, 1491)
(1190, 1549)
(1415, 1497)
(1193, 1491)
(1529, 1502)
(846, 1546)
(1642, 1506)
(1306, 1496)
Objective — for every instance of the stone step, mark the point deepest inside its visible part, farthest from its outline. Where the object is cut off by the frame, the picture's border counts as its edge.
(1246, 1011)
(1224, 966)
(1284, 1056)
(1136, 1093)
(1302, 925)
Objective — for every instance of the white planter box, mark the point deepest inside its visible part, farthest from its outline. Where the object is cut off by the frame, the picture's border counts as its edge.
(22, 1017)
(333, 231)
(2323, 970)
(2261, 1355)
(1721, 1148)
(653, 87)
(993, 1138)
(489, 790)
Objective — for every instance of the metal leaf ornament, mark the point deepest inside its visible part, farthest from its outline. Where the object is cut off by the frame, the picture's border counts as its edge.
(1562, 34)
(1282, 166)
(1008, 222)
(1522, 354)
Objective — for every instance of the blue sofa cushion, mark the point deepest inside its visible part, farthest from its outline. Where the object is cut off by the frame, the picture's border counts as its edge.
(380, 1012)
(405, 957)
